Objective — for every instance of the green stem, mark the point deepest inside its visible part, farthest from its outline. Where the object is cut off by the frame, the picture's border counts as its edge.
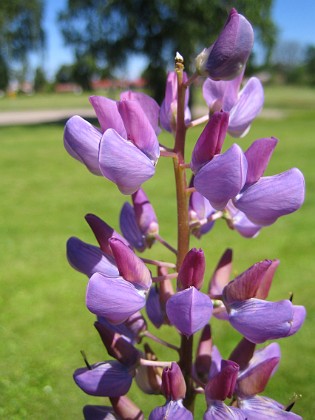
(183, 231)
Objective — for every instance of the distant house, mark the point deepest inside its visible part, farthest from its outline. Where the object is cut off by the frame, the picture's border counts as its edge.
(68, 88)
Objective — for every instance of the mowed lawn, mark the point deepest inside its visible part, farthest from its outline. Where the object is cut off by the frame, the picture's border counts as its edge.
(43, 319)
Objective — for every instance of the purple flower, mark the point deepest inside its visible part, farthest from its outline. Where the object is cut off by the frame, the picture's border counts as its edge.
(172, 410)
(237, 176)
(107, 379)
(192, 270)
(89, 259)
(117, 298)
(139, 223)
(199, 210)
(255, 318)
(243, 107)
(168, 111)
(210, 140)
(220, 387)
(258, 407)
(148, 105)
(103, 232)
(126, 148)
(174, 389)
(189, 310)
(226, 58)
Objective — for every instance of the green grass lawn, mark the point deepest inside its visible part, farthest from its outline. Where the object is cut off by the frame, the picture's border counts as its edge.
(44, 323)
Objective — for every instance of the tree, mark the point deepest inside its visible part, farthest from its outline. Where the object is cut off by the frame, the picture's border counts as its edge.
(20, 29)
(112, 30)
(40, 81)
(4, 74)
(310, 63)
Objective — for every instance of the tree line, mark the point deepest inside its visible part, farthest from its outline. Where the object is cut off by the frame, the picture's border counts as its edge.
(104, 34)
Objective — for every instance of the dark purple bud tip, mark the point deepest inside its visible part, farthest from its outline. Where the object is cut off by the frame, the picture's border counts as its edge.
(192, 270)
(173, 383)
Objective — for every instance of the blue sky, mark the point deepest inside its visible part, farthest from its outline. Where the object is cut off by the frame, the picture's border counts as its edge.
(295, 20)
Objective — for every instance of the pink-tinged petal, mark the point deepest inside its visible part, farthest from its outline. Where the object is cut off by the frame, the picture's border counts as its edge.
(130, 228)
(82, 140)
(168, 111)
(222, 274)
(117, 345)
(258, 155)
(108, 115)
(230, 52)
(223, 177)
(139, 129)
(240, 222)
(153, 307)
(103, 232)
(108, 379)
(258, 408)
(221, 386)
(130, 266)
(144, 213)
(272, 351)
(221, 94)
(243, 353)
(264, 287)
(217, 410)
(172, 410)
(203, 355)
(148, 104)
(210, 140)
(189, 310)
(115, 299)
(259, 320)
(89, 259)
(246, 109)
(192, 270)
(272, 197)
(123, 163)
(257, 377)
(125, 408)
(246, 285)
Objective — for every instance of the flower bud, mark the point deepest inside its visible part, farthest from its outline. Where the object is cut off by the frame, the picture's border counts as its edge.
(226, 58)
(173, 383)
(192, 270)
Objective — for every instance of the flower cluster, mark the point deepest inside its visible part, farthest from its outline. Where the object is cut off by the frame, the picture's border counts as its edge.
(227, 185)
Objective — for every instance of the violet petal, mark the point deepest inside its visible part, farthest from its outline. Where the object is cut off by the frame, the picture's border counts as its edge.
(232, 48)
(217, 410)
(123, 163)
(258, 155)
(82, 140)
(108, 115)
(259, 320)
(148, 104)
(89, 259)
(223, 177)
(256, 407)
(139, 129)
(115, 299)
(272, 197)
(246, 109)
(172, 410)
(129, 227)
(108, 379)
(189, 310)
